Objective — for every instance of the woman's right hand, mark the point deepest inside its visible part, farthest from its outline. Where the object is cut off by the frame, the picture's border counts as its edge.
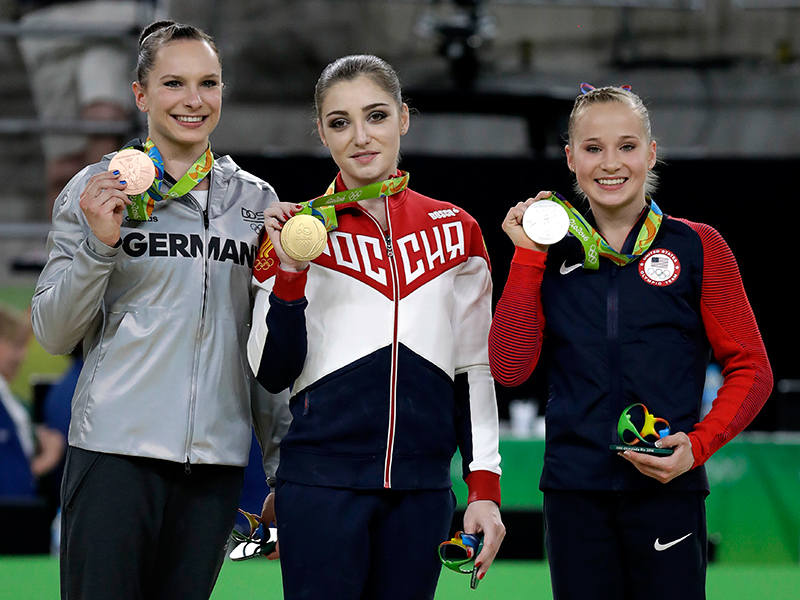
(103, 203)
(512, 224)
(275, 218)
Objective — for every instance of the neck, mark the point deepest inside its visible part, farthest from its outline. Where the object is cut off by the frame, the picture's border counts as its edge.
(374, 206)
(178, 158)
(615, 224)
(377, 208)
(351, 183)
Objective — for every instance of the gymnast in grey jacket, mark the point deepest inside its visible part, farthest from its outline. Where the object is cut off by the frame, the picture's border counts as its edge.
(161, 417)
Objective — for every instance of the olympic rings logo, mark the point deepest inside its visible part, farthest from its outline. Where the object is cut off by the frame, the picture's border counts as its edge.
(659, 267)
(263, 264)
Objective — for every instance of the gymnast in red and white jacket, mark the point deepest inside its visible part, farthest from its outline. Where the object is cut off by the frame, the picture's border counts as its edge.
(383, 341)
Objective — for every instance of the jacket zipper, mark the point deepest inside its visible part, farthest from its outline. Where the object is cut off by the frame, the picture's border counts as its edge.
(612, 332)
(390, 434)
(199, 338)
(387, 471)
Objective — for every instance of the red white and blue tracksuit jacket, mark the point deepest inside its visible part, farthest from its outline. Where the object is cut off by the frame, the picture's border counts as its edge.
(383, 341)
(640, 333)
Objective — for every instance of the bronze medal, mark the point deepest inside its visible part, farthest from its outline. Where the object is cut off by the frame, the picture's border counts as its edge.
(136, 168)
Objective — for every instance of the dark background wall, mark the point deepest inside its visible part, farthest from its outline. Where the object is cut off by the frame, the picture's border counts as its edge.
(749, 202)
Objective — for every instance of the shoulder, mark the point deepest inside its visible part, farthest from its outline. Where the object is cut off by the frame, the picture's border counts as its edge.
(449, 220)
(439, 209)
(235, 172)
(700, 229)
(717, 256)
(230, 171)
(706, 234)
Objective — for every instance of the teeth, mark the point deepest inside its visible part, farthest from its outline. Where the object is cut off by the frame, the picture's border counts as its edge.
(189, 119)
(618, 181)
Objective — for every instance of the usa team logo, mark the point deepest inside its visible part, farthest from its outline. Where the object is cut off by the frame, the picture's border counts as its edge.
(659, 267)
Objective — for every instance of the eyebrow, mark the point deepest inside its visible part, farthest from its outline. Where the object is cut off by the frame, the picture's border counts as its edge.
(366, 108)
(182, 77)
(621, 138)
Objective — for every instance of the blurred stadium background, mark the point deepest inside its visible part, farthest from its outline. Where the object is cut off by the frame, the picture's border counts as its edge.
(492, 83)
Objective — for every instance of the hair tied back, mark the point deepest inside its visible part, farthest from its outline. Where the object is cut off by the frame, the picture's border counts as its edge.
(588, 87)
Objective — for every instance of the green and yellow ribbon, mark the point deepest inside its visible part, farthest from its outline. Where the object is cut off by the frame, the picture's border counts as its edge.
(324, 207)
(595, 246)
(142, 205)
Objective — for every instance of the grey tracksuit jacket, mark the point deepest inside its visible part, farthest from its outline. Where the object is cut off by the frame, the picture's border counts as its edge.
(164, 318)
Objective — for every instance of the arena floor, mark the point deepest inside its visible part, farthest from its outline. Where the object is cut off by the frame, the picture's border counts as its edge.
(37, 579)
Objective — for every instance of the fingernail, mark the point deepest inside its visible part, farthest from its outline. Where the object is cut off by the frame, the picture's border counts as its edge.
(116, 172)
(124, 182)
(480, 576)
(658, 444)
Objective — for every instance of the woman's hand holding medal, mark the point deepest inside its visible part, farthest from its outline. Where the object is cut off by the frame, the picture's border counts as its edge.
(297, 239)
(103, 202)
(130, 172)
(518, 226)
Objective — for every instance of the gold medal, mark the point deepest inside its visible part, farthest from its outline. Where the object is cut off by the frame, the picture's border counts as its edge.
(303, 237)
(136, 168)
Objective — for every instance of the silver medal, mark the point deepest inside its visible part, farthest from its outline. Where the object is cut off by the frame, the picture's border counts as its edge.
(545, 222)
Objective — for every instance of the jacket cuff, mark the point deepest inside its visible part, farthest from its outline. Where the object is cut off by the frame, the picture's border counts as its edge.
(698, 452)
(529, 257)
(483, 485)
(100, 248)
(290, 286)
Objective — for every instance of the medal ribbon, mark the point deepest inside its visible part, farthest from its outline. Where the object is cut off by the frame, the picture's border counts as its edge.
(322, 207)
(145, 202)
(379, 189)
(594, 245)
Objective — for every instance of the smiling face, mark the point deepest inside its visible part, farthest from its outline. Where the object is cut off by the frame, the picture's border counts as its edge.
(361, 124)
(182, 97)
(610, 153)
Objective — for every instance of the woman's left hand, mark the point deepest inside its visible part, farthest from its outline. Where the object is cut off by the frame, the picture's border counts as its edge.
(483, 516)
(267, 517)
(664, 468)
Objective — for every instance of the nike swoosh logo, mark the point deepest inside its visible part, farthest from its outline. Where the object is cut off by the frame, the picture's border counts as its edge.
(661, 547)
(565, 269)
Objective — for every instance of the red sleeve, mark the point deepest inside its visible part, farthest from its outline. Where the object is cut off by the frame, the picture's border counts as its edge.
(736, 341)
(483, 485)
(290, 286)
(515, 338)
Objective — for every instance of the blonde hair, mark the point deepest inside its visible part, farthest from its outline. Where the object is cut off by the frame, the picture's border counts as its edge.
(605, 95)
(14, 327)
